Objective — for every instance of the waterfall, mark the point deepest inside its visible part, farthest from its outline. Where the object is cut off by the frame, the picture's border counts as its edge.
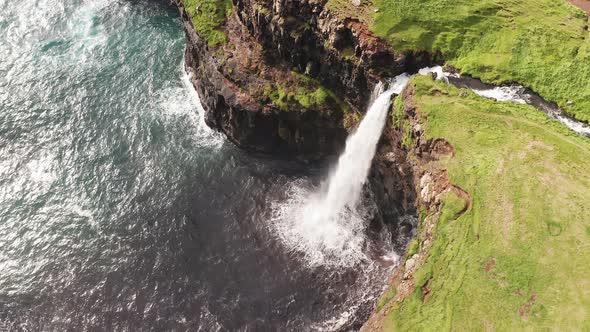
(328, 226)
(346, 184)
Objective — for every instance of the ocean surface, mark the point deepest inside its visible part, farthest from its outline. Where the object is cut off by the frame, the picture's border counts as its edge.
(120, 210)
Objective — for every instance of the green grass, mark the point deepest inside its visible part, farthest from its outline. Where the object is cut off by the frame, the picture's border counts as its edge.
(262, 10)
(542, 44)
(413, 248)
(207, 16)
(386, 298)
(305, 93)
(524, 239)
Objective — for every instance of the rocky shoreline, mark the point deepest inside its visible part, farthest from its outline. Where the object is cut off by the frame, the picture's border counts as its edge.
(292, 78)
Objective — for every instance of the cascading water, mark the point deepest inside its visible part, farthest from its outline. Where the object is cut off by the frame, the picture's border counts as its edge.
(328, 226)
(346, 184)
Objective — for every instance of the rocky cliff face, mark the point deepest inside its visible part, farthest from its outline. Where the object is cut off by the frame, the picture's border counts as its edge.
(292, 76)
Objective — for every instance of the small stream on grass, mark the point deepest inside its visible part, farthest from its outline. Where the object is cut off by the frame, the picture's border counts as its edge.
(510, 93)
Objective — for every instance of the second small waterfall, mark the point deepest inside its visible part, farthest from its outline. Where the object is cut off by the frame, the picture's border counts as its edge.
(328, 226)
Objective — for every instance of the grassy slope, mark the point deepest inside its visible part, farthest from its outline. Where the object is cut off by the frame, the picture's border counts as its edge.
(207, 16)
(530, 190)
(543, 44)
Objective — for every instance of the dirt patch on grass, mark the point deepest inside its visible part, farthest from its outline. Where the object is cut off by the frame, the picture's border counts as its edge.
(426, 290)
(507, 219)
(532, 146)
(490, 265)
(465, 196)
(525, 310)
(582, 4)
(440, 148)
(360, 10)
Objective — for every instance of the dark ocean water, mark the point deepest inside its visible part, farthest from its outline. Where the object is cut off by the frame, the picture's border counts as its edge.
(120, 210)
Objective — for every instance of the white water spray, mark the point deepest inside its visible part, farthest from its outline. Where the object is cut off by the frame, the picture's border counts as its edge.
(328, 227)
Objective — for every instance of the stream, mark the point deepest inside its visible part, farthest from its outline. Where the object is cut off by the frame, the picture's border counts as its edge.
(509, 93)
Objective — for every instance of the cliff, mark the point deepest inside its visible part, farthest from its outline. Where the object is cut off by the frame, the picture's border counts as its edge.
(291, 78)
(501, 190)
(286, 76)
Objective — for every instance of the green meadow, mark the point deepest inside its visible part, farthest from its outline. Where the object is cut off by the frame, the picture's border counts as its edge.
(518, 257)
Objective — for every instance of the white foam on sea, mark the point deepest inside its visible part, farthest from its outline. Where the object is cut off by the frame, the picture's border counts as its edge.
(362, 296)
(41, 169)
(208, 322)
(334, 242)
(86, 29)
(182, 103)
(33, 178)
(213, 137)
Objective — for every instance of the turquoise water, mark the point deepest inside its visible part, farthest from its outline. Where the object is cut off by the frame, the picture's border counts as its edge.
(119, 209)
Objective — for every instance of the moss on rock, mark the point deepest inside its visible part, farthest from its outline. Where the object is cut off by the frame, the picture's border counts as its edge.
(303, 93)
(207, 16)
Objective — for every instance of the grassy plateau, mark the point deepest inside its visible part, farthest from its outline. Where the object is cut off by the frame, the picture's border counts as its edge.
(542, 44)
(518, 258)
